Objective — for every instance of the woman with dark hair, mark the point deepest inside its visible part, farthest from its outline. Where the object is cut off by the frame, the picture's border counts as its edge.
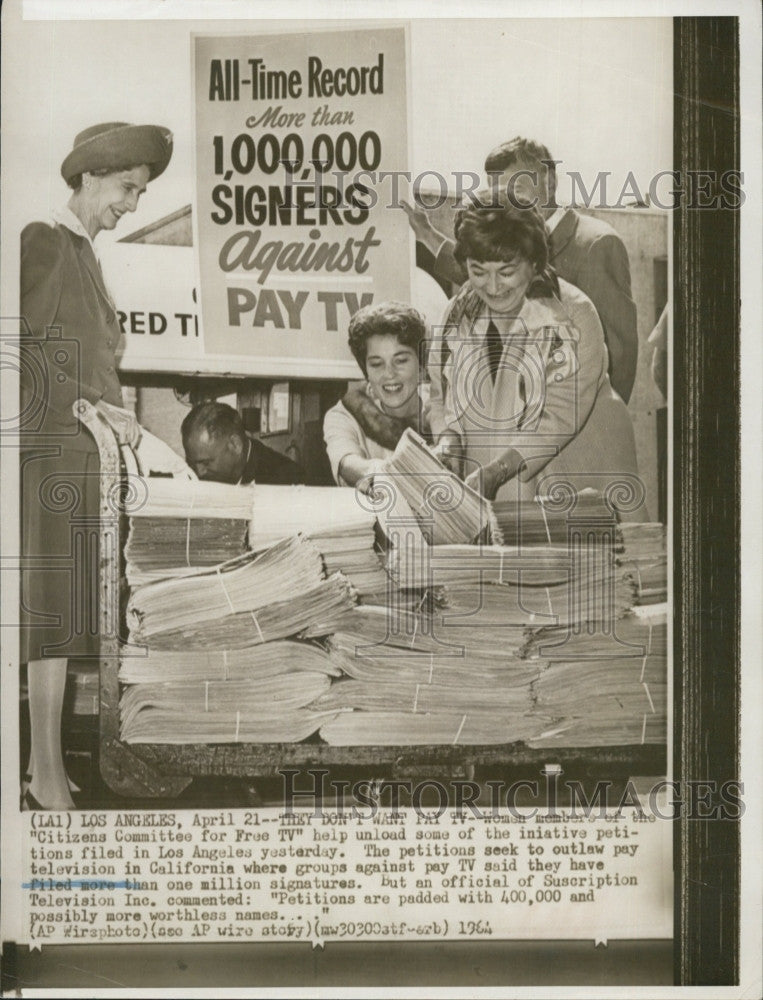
(364, 427)
(69, 338)
(520, 391)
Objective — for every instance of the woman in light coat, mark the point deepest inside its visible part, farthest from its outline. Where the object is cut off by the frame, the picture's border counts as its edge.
(521, 398)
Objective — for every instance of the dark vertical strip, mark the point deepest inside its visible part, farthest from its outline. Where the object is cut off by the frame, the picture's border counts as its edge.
(9, 982)
(706, 481)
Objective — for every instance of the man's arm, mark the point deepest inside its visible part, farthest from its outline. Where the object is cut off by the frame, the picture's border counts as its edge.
(446, 266)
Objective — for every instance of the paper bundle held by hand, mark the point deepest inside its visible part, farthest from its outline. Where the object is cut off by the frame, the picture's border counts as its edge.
(448, 511)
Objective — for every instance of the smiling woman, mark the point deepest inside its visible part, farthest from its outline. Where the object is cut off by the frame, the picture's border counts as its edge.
(362, 430)
(520, 390)
(114, 192)
(500, 284)
(69, 338)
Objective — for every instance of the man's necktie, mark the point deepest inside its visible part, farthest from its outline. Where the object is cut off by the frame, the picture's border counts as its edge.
(494, 346)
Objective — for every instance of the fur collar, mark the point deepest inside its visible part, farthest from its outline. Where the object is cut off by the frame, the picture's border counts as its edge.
(379, 426)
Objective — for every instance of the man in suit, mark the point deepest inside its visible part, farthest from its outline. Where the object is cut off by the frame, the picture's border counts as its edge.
(584, 251)
(218, 449)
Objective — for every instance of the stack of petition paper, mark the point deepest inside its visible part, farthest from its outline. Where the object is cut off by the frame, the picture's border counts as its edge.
(254, 598)
(464, 565)
(640, 632)
(162, 547)
(438, 631)
(603, 702)
(409, 729)
(448, 511)
(606, 685)
(180, 526)
(267, 710)
(547, 520)
(184, 498)
(412, 678)
(644, 558)
(337, 521)
(139, 665)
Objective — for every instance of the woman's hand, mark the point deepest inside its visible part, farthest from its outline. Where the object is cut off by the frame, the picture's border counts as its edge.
(488, 479)
(123, 422)
(449, 451)
(373, 467)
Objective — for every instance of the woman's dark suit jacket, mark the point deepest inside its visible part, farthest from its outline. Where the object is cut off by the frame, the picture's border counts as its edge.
(69, 335)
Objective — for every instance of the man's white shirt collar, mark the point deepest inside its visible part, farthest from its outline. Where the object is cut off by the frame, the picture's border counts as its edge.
(246, 461)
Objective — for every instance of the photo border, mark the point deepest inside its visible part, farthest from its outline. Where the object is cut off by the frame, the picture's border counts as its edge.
(706, 500)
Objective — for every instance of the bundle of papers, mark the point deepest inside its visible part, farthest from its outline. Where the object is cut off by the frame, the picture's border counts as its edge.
(410, 729)
(462, 565)
(448, 698)
(352, 552)
(246, 583)
(603, 702)
(337, 521)
(160, 547)
(252, 599)
(279, 511)
(647, 539)
(139, 665)
(644, 559)
(266, 710)
(184, 498)
(318, 610)
(542, 522)
(374, 622)
(495, 606)
(444, 664)
(448, 511)
(178, 526)
(642, 631)
(444, 634)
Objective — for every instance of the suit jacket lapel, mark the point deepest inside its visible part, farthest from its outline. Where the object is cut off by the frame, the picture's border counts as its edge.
(564, 232)
(88, 258)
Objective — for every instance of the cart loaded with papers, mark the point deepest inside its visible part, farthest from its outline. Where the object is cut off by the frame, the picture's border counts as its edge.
(418, 628)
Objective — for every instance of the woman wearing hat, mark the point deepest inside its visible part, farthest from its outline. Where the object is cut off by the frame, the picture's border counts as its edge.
(69, 337)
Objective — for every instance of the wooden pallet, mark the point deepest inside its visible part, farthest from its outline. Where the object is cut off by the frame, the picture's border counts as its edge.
(163, 771)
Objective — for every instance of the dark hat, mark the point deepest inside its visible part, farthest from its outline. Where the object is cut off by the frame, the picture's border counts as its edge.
(117, 144)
